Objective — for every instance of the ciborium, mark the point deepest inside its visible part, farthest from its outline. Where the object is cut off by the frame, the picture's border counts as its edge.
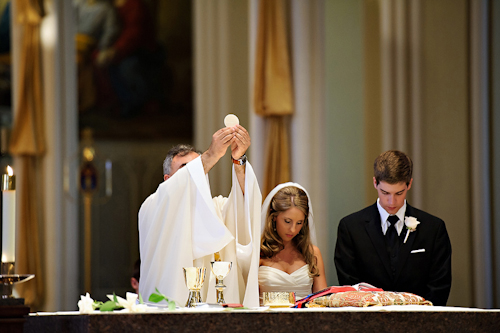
(221, 270)
(194, 276)
(278, 299)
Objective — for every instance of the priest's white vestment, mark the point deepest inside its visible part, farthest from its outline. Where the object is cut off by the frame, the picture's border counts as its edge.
(181, 225)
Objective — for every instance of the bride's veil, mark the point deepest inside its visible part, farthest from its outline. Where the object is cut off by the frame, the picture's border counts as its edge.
(267, 203)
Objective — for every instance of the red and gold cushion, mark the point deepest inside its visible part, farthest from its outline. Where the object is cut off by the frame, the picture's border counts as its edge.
(367, 298)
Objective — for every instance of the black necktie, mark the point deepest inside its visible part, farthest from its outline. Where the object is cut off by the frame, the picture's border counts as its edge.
(392, 234)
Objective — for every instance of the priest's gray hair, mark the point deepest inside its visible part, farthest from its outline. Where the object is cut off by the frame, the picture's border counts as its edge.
(181, 150)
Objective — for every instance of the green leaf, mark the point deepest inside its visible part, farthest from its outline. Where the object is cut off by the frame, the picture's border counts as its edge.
(97, 304)
(158, 297)
(155, 298)
(140, 299)
(109, 306)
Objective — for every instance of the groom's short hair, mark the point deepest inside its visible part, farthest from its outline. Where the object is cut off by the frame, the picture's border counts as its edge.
(393, 167)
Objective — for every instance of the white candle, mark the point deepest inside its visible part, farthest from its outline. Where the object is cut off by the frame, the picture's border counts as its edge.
(8, 217)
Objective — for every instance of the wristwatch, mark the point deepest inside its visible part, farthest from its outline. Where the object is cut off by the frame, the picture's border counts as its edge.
(241, 161)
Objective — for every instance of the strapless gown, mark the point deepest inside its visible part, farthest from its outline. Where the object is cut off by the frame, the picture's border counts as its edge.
(273, 279)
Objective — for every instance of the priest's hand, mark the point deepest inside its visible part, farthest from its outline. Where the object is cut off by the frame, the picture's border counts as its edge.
(240, 142)
(239, 146)
(220, 141)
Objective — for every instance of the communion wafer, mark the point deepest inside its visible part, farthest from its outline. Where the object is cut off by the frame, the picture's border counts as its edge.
(231, 120)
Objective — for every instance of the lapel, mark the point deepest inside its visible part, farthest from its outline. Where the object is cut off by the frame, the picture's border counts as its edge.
(405, 248)
(374, 230)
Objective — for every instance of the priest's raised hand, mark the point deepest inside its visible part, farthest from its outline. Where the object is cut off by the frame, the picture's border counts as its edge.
(218, 147)
(240, 143)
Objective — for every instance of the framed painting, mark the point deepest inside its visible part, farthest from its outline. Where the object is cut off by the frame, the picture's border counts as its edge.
(135, 68)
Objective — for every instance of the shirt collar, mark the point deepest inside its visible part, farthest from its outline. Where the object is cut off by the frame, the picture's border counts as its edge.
(384, 215)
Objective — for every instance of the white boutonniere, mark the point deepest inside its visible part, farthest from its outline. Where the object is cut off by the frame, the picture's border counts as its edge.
(411, 225)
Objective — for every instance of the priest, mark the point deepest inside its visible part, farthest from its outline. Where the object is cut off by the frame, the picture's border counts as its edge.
(181, 225)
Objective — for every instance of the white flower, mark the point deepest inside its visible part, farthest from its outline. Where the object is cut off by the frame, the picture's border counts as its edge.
(85, 304)
(411, 224)
(130, 304)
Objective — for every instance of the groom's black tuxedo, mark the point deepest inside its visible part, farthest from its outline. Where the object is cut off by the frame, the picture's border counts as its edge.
(424, 262)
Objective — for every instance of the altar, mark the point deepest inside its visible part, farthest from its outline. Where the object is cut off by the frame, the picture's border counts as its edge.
(377, 319)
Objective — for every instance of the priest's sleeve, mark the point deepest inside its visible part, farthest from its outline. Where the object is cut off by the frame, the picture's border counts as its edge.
(241, 214)
(178, 225)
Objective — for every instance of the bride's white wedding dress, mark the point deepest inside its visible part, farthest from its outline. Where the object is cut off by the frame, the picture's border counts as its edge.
(273, 279)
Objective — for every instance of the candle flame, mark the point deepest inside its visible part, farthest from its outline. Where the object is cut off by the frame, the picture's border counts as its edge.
(10, 171)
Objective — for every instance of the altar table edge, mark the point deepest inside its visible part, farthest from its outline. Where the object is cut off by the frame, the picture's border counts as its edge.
(275, 320)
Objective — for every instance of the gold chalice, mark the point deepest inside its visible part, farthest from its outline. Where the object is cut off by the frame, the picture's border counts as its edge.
(221, 270)
(194, 276)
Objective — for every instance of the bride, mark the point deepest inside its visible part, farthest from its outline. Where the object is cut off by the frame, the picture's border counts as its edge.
(288, 259)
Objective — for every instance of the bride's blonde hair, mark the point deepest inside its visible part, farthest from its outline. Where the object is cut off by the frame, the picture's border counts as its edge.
(271, 243)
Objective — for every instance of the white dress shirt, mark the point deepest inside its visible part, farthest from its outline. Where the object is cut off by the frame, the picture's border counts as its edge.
(384, 216)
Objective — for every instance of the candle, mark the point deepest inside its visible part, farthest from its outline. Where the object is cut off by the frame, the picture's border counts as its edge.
(9, 216)
(109, 179)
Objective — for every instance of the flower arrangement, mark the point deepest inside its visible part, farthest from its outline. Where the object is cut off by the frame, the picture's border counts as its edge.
(133, 303)
(411, 225)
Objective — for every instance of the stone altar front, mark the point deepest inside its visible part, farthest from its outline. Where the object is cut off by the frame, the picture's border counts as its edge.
(382, 319)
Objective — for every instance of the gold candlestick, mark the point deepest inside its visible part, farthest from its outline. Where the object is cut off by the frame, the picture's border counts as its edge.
(8, 278)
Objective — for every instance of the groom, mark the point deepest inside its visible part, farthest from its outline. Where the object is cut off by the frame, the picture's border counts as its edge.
(375, 245)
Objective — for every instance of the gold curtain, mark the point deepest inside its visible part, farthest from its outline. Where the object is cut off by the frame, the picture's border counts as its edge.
(28, 144)
(273, 95)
